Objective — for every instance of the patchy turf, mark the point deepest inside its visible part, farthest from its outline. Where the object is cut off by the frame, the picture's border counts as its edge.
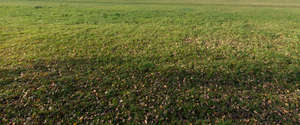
(155, 62)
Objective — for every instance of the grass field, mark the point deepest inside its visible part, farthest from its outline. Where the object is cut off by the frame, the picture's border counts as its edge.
(149, 61)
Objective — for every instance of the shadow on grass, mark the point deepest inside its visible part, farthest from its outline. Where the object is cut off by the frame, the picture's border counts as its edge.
(115, 90)
(118, 68)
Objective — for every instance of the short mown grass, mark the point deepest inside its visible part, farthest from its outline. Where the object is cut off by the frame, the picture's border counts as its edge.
(149, 62)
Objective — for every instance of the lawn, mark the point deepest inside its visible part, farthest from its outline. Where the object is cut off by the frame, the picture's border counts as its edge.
(149, 62)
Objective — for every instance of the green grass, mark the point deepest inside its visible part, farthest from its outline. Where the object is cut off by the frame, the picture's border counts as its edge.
(144, 61)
